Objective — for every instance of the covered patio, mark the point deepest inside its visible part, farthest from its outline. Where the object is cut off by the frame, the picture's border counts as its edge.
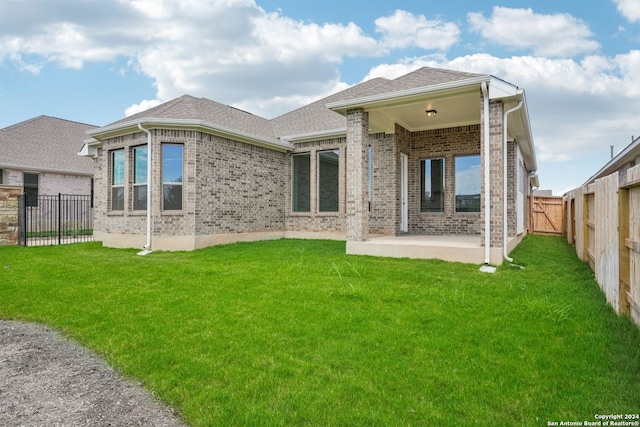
(412, 194)
(466, 249)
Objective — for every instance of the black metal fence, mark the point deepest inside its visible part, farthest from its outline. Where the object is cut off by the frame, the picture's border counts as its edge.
(55, 220)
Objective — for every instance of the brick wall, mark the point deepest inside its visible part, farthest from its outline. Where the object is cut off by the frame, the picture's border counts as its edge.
(442, 143)
(238, 187)
(512, 189)
(385, 212)
(9, 214)
(50, 183)
(496, 114)
(228, 187)
(316, 221)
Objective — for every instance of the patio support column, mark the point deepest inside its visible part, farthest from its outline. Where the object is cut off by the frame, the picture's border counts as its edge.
(357, 197)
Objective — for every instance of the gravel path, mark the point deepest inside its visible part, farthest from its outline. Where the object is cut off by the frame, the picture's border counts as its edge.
(47, 380)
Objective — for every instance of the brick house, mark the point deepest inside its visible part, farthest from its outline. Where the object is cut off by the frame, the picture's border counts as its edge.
(394, 167)
(40, 156)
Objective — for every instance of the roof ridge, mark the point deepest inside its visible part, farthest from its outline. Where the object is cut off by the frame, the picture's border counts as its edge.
(23, 122)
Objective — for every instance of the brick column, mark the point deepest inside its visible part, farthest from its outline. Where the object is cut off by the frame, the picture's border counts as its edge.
(495, 162)
(496, 117)
(9, 215)
(357, 197)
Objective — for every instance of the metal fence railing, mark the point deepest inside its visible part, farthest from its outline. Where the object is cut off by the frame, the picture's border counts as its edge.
(55, 220)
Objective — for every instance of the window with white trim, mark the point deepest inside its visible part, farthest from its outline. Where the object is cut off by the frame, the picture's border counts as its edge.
(301, 182)
(140, 165)
(467, 183)
(117, 180)
(432, 185)
(328, 181)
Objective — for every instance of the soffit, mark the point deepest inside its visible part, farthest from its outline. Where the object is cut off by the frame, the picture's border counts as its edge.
(458, 109)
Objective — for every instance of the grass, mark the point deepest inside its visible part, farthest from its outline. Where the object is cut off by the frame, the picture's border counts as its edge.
(296, 332)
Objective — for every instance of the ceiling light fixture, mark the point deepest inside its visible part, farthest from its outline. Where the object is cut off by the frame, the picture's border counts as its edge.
(431, 113)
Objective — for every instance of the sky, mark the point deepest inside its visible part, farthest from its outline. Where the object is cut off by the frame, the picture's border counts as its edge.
(97, 61)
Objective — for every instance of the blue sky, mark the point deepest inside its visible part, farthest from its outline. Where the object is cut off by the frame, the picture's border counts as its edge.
(96, 61)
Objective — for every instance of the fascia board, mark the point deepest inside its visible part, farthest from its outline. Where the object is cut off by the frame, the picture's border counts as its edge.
(525, 136)
(526, 123)
(499, 89)
(404, 95)
(159, 123)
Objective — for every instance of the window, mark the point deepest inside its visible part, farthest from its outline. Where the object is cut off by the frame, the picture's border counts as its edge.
(172, 170)
(31, 188)
(301, 182)
(467, 175)
(1, 176)
(432, 185)
(117, 180)
(140, 177)
(328, 179)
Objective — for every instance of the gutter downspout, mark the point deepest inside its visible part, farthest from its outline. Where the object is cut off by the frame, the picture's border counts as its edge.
(147, 247)
(487, 175)
(505, 232)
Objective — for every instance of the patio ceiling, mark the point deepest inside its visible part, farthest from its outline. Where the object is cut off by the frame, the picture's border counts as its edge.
(452, 110)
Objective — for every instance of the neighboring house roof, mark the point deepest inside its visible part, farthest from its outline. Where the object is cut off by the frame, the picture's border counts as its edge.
(45, 144)
(629, 153)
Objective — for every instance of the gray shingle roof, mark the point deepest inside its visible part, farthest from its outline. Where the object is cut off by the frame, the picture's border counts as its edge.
(422, 77)
(189, 107)
(316, 117)
(45, 143)
(312, 118)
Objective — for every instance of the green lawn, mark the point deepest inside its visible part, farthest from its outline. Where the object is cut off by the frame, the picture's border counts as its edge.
(294, 332)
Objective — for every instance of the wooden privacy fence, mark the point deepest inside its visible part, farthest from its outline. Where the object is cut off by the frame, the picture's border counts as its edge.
(547, 215)
(603, 222)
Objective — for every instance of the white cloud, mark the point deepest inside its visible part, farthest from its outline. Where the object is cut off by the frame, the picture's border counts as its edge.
(142, 106)
(630, 9)
(404, 29)
(228, 50)
(559, 35)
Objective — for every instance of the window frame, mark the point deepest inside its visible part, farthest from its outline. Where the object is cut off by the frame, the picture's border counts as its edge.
(116, 187)
(476, 206)
(319, 183)
(177, 183)
(295, 185)
(423, 180)
(31, 190)
(136, 184)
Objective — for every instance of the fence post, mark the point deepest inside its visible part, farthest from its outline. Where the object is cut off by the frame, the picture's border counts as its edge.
(59, 218)
(25, 229)
(623, 230)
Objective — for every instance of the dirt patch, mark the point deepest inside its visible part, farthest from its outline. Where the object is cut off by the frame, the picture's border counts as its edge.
(47, 380)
